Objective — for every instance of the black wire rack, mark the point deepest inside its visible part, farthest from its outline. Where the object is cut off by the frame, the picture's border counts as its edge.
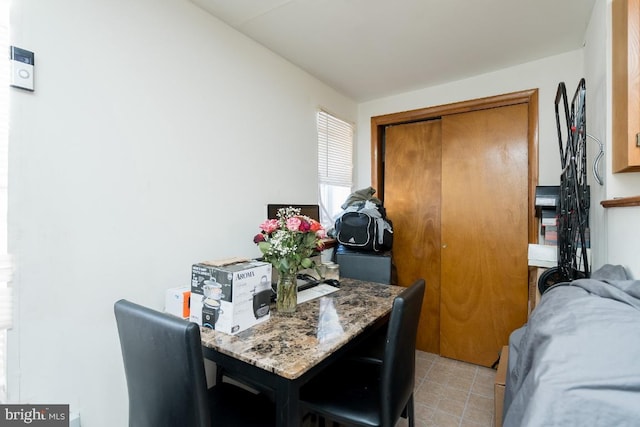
(573, 210)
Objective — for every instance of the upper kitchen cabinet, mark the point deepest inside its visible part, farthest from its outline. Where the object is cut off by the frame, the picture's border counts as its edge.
(625, 16)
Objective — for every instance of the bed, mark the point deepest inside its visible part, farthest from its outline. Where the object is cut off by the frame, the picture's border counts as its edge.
(577, 360)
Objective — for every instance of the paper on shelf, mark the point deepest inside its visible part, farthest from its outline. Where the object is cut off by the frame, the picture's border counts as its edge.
(315, 292)
(543, 255)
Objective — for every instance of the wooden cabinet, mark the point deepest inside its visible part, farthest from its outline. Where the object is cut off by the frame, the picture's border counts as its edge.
(625, 16)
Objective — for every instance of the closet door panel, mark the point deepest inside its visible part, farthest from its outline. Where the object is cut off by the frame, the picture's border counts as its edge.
(484, 231)
(412, 201)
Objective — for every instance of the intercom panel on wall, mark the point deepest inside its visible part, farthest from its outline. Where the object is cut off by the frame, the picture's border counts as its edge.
(22, 62)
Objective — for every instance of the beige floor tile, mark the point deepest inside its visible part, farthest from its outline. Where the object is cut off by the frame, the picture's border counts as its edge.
(472, 423)
(423, 412)
(426, 356)
(443, 419)
(428, 398)
(482, 417)
(451, 406)
(425, 362)
(438, 375)
(466, 369)
(486, 390)
(485, 374)
(422, 368)
(460, 383)
(452, 393)
(431, 385)
(480, 402)
(446, 365)
(484, 382)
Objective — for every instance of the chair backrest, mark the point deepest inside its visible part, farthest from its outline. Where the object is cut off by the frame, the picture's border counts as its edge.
(398, 364)
(164, 368)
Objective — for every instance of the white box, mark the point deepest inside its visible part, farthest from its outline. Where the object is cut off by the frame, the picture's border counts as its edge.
(543, 255)
(230, 297)
(176, 301)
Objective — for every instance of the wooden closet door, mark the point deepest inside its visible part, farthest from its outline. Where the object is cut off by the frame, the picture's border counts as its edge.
(484, 231)
(412, 200)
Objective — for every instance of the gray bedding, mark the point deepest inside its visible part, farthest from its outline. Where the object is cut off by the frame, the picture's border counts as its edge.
(577, 361)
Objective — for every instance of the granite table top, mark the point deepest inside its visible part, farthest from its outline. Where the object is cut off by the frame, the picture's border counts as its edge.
(291, 344)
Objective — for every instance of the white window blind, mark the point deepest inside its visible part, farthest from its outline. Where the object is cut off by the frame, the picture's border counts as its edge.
(335, 146)
(5, 260)
(335, 160)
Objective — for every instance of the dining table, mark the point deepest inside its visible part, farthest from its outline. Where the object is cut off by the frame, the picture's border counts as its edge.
(284, 352)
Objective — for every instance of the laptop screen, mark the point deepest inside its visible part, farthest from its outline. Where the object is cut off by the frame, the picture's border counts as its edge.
(312, 211)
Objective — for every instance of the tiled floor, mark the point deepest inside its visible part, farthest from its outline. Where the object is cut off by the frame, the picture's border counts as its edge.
(448, 393)
(451, 393)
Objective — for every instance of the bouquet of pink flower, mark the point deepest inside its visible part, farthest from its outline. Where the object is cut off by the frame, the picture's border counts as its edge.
(289, 241)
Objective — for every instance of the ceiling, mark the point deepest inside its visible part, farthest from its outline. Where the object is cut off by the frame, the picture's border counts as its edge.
(368, 49)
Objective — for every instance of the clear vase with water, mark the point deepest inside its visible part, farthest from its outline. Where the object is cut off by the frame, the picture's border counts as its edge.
(287, 293)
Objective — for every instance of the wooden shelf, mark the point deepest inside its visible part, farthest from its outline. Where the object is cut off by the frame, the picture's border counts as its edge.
(625, 85)
(622, 202)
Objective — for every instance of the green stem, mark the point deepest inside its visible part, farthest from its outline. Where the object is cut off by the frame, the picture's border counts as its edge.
(287, 298)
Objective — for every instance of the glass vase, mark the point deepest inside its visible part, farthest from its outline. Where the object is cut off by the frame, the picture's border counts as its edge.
(287, 293)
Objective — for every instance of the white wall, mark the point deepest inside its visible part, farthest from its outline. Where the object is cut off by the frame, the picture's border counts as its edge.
(598, 115)
(155, 138)
(617, 228)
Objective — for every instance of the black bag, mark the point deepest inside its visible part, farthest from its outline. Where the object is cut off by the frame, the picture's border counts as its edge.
(361, 231)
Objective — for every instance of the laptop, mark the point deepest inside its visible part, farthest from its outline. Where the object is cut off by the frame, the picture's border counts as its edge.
(312, 211)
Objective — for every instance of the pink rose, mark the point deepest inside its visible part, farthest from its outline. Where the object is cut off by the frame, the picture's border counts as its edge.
(269, 226)
(293, 224)
(321, 234)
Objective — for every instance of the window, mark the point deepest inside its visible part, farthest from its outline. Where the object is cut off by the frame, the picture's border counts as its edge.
(5, 259)
(335, 154)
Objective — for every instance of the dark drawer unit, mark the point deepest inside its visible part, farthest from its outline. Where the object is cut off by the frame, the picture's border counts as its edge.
(369, 266)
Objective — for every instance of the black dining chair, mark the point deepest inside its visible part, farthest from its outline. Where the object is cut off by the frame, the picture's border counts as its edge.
(360, 393)
(166, 382)
(372, 349)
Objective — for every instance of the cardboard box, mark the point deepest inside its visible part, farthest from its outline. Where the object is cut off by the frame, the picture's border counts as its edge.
(500, 382)
(230, 297)
(176, 301)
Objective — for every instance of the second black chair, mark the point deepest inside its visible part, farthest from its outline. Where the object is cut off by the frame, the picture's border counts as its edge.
(374, 394)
